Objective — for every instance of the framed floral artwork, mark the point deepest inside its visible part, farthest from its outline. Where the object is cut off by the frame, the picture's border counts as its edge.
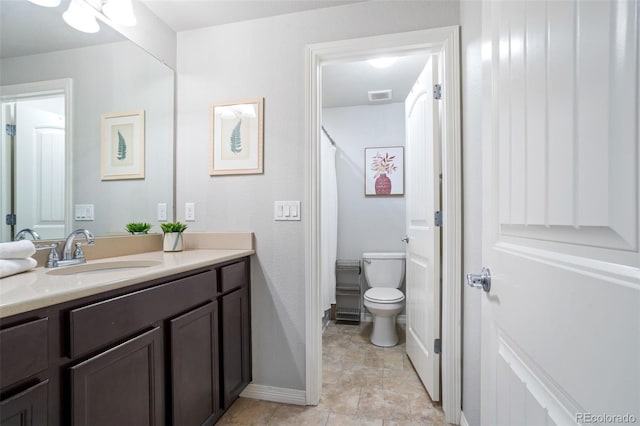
(122, 145)
(236, 137)
(384, 170)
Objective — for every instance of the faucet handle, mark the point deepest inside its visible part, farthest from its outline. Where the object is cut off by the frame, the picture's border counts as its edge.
(52, 260)
(46, 246)
(79, 254)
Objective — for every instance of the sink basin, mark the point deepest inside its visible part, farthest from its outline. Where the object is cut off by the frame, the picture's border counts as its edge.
(92, 268)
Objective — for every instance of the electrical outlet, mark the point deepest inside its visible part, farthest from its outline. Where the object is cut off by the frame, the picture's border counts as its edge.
(162, 212)
(190, 212)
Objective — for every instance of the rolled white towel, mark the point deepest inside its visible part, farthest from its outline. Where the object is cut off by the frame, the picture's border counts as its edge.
(15, 266)
(17, 249)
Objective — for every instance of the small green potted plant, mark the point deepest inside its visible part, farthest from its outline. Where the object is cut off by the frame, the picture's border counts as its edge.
(173, 236)
(136, 228)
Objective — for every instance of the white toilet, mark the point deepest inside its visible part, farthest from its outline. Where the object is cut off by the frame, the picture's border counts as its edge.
(384, 273)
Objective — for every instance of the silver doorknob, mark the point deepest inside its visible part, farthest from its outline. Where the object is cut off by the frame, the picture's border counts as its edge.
(481, 280)
(405, 239)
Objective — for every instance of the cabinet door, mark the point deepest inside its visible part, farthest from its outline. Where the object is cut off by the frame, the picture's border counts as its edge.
(24, 351)
(121, 386)
(28, 408)
(195, 379)
(236, 344)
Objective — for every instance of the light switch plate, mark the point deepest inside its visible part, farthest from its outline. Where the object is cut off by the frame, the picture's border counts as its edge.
(162, 212)
(286, 210)
(190, 212)
(84, 212)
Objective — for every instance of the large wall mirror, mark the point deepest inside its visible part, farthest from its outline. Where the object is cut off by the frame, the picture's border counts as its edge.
(57, 85)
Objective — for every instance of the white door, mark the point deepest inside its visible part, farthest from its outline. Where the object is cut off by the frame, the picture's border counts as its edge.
(561, 323)
(423, 248)
(40, 168)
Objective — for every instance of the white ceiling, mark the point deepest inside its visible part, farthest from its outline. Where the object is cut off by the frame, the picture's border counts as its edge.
(27, 29)
(347, 84)
(344, 84)
(183, 15)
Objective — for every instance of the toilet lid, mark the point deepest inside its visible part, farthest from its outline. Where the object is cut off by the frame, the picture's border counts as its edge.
(384, 295)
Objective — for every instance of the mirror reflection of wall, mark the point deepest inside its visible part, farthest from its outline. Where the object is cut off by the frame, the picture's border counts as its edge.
(113, 76)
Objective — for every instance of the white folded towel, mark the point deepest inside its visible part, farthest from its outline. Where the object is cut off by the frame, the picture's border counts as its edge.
(17, 249)
(15, 266)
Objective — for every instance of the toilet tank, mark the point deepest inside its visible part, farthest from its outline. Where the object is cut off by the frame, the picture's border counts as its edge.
(384, 269)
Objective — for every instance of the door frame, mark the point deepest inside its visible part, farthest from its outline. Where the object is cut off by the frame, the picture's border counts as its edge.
(42, 89)
(445, 40)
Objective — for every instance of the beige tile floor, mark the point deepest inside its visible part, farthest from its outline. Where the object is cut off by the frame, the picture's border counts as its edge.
(362, 385)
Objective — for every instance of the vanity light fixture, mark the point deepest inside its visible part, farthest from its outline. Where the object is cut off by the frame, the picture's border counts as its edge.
(120, 12)
(81, 14)
(46, 3)
(80, 17)
(384, 62)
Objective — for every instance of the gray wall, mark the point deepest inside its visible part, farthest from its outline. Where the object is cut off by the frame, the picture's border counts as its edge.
(471, 32)
(365, 223)
(265, 58)
(117, 77)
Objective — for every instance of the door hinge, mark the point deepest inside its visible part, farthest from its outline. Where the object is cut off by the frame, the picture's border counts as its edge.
(10, 219)
(437, 91)
(438, 218)
(437, 346)
(10, 129)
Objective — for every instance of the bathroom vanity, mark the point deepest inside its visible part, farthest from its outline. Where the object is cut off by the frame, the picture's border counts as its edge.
(167, 345)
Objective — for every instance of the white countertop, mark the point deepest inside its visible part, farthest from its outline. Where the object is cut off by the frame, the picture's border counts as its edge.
(37, 289)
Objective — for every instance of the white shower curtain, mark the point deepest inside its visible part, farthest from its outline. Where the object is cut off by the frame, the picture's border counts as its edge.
(328, 222)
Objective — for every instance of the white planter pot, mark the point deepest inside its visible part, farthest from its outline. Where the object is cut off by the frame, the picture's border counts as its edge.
(173, 241)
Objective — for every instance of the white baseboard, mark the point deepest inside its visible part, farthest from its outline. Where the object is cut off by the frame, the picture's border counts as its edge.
(463, 420)
(270, 393)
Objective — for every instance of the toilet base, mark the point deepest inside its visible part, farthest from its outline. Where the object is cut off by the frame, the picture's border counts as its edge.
(384, 331)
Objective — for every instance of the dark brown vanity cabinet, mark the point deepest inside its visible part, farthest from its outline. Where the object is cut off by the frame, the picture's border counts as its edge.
(195, 374)
(173, 351)
(23, 365)
(236, 339)
(122, 385)
(235, 330)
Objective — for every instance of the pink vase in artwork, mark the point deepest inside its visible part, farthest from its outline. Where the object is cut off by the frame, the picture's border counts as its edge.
(383, 184)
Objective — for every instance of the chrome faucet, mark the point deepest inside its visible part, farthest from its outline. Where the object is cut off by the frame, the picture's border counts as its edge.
(77, 256)
(21, 235)
(69, 256)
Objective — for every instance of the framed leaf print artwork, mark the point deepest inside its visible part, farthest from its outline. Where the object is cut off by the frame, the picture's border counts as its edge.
(384, 170)
(122, 145)
(236, 137)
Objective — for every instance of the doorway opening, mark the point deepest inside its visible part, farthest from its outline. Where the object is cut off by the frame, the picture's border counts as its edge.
(35, 159)
(363, 143)
(443, 41)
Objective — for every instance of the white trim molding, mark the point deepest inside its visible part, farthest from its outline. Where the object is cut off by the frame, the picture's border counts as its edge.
(270, 393)
(446, 41)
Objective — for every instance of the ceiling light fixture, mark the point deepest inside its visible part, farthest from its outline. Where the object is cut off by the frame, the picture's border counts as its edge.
(120, 12)
(384, 62)
(46, 3)
(80, 17)
(81, 14)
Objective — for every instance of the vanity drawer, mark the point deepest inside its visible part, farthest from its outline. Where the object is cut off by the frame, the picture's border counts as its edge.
(24, 351)
(103, 323)
(233, 276)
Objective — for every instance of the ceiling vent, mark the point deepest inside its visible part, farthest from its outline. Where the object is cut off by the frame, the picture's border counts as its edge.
(379, 95)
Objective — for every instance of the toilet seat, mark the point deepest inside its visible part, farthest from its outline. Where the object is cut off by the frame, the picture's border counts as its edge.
(384, 295)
